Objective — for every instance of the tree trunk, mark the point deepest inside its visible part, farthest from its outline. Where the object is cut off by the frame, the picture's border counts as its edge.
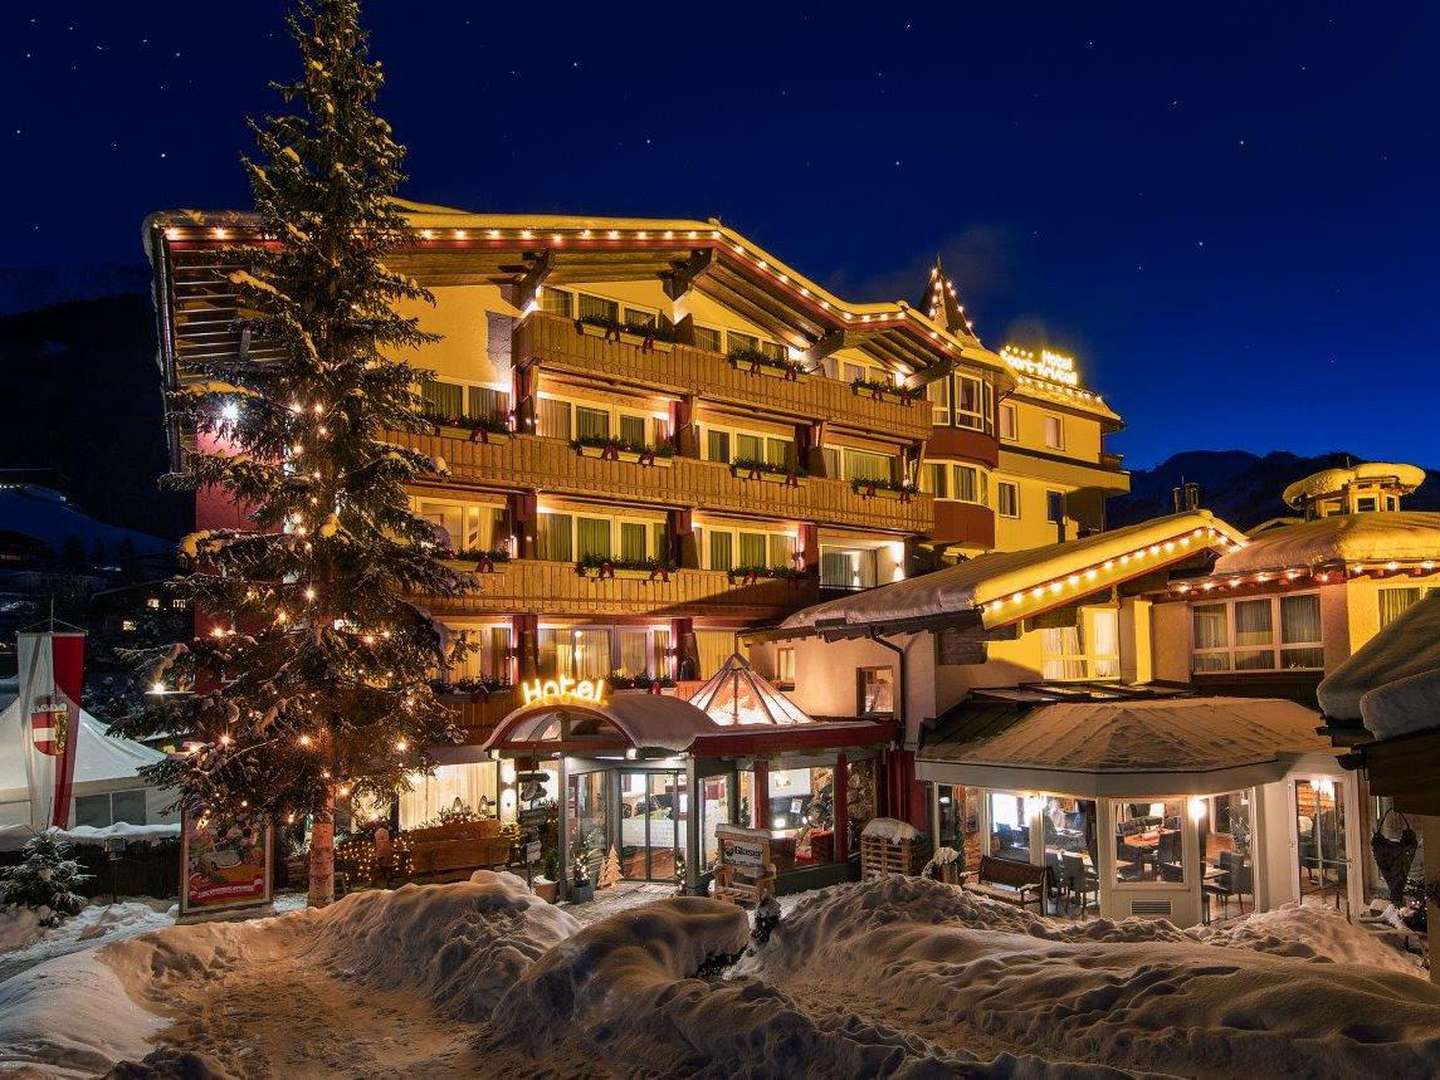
(322, 857)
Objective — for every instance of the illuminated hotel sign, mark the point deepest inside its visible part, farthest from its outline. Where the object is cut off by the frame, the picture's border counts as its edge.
(562, 690)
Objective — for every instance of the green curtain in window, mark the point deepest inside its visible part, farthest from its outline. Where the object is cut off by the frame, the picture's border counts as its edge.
(780, 452)
(485, 401)
(555, 301)
(635, 652)
(660, 540)
(591, 657)
(721, 554)
(595, 306)
(632, 430)
(1395, 602)
(749, 448)
(632, 541)
(753, 549)
(552, 538)
(717, 445)
(591, 423)
(553, 419)
(593, 536)
(443, 399)
(782, 550)
(965, 484)
(707, 338)
(864, 465)
(737, 341)
(1252, 622)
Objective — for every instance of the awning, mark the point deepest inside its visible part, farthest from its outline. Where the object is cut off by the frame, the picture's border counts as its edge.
(1002, 587)
(1179, 746)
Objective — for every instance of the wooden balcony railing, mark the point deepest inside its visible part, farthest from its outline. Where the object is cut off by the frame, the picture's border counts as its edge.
(682, 369)
(478, 718)
(529, 462)
(536, 586)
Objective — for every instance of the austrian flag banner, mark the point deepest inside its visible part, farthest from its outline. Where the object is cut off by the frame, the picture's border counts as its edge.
(52, 675)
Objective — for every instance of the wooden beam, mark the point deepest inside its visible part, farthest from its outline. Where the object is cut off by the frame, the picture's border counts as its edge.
(830, 341)
(525, 290)
(678, 281)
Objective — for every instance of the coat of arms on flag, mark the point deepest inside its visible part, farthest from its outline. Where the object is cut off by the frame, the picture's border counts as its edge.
(50, 722)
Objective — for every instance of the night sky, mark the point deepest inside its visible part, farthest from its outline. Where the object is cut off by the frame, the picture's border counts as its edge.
(1229, 217)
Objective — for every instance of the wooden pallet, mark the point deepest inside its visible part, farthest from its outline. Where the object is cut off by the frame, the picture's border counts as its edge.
(880, 856)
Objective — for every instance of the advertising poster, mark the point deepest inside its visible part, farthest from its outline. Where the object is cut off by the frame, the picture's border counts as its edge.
(223, 866)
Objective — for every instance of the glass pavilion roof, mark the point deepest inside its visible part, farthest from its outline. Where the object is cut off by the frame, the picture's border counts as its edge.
(736, 696)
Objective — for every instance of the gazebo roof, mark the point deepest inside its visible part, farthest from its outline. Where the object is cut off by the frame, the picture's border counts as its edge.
(736, 696)
(1125, 747)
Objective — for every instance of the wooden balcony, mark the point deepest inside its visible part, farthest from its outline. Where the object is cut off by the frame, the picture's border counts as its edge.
(476, 719)
(683, 369)
(528, 586)
(532, 463)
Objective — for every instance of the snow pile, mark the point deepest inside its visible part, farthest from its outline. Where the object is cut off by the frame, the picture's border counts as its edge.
(20, 926)
(71, 1017)
(1140, 996)
(460, 946)
(890, 829)
(1312, 932)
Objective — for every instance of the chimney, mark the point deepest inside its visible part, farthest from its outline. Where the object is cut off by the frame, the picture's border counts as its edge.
(1192, 495)
(1175, 499)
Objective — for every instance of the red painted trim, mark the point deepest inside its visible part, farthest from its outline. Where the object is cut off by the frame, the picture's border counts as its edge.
(778, 740)
(68, 660)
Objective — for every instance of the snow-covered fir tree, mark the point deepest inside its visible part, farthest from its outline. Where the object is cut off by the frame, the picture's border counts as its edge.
(311, 682)
(44, 880)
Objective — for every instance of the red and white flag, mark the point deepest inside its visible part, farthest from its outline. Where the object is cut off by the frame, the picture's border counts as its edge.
(52, 675)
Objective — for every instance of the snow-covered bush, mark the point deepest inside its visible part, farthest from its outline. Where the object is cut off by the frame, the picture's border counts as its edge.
(45, 881)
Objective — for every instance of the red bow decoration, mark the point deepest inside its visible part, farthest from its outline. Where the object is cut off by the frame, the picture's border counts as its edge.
(754, 367)
(660, 573)
(610, 452)
(791, 479)
(647, 457)
(479, 434)
(791, 374)
(486, 564)
(479, 694)
(607, 570)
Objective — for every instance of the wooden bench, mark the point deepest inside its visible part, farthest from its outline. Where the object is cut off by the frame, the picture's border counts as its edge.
(1015, 883)
(746, 873)
(458, 848)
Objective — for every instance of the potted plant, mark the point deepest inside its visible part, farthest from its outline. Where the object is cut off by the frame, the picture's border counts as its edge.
(547, 886)
(900, 490)
(757, 362)
(768, 472)
(648, 338)
(582, 885)
(599, 567)
(880, 390)
(484, 429)
(609, 448)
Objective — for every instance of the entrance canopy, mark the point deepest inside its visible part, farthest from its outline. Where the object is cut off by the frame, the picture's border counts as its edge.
(1179, 746)
(641, 722)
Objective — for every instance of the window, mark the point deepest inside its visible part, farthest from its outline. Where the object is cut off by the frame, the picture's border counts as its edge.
(708, 338)
(968, 483)
(785, 665)
(738, 341)
(714, 648)
(749, 447)
(594, 537)
(1148, 842)
(865, 465)
(721, 550)
(877, 691)
(555, 301)
(632, 541)
(1262, 634)
(489, 655)
(464, 526)
(754, 549)
(109, 808)
(552, 538)
(596, 307)
(935, 479)
(660, 540)
(1055, 507)
(969, 402)
(553, 420)
(1054, 431)
(782, 549)
(848, 568)
(780, 452)
(831, 457)
(635, 652)
(591, 423)
(1007, 498)
(487, 401)
(644, 320)
(1009, 422)
(1088, 650)
(939, 394)
(717, 445)
(1396, 601)
(442, 398)
(632, 431)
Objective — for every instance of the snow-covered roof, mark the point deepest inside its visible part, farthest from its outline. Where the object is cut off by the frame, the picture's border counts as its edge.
(737, 695)
(647, 721)
(1173, 746)
(1002, 587)
(1331, 481)
(1408, 538)
(1374, 684)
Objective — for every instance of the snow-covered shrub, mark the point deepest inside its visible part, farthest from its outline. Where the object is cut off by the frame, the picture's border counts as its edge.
(45, 881)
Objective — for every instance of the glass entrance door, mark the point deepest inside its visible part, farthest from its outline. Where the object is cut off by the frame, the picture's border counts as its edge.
(1324, 863)
(655, 813)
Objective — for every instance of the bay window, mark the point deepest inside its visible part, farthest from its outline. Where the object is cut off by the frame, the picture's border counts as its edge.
(939, 394)
(1265, 633)
(1394, 602)
(971, 400)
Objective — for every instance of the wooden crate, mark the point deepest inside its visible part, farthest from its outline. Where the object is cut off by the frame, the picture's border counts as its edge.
(880, 856)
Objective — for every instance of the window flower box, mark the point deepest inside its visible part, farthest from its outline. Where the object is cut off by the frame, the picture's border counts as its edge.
(765, 472)
(616, 450)
(750, 575)
(598, 568)
(755, 362)
(461, 691)
(479, 562)
(644, 338)
(879, 390)
(897, 491)
(484, 429)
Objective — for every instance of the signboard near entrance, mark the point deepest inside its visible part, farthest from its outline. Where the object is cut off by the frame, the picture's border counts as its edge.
(223, 866)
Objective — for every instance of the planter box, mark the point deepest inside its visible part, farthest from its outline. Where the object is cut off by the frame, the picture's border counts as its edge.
(545, 890)
(473, 565)
(626, 337)
(885, 493)
(887, 393)
(783, 479)
(622, 574)
(631, 456)
(478, 435)
(768, 370)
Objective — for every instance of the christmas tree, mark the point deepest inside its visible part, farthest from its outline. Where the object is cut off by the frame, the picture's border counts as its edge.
(610, 869)
(45, 881)
(311, 681)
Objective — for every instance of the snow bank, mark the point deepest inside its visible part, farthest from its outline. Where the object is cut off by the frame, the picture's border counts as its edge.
(71, 1017)
(460, 946)
(20, 926)
(14, 837)
(1138, 995)
(1312, 932)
